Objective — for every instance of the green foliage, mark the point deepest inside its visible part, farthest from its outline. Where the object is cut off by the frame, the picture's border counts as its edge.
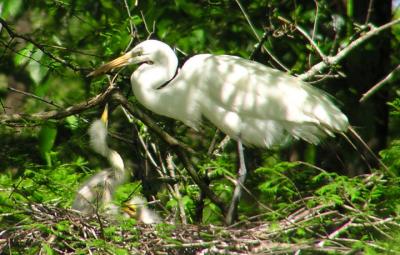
(11, 8)
(45, 162)
(47, 137)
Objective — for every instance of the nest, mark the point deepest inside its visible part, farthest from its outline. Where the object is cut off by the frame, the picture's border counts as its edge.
(322, 229)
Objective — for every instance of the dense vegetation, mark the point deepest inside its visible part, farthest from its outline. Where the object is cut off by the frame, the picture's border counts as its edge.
(332, 198)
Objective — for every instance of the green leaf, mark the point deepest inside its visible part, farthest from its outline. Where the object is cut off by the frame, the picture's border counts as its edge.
(72, 122)
(23, 55)
(63, 226)
(47, 137)
(10, 8)
(36, 70)
(48, 250)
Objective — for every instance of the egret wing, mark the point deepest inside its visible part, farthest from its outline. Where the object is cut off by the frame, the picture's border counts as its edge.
(254, 90)
(259, 104)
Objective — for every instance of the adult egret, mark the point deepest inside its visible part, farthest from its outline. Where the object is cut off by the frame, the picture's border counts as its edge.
(252, 103)
(137, 208)
(99, 189)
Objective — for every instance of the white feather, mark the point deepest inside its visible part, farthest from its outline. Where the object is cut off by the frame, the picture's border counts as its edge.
(100, 188)
(243, 98)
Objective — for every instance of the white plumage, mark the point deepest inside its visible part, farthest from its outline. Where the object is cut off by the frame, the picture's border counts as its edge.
(243, 98)
(97, 192)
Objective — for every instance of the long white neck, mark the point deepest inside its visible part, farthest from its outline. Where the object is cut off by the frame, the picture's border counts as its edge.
(98, 142)
(148, 78)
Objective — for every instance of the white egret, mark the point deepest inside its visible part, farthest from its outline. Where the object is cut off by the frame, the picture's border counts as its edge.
(248, 101)
(137, 208)
(99, 189)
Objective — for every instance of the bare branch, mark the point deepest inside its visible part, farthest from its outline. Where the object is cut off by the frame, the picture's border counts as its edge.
(260, 40)
(132, 27)
(334, 60)
(59, 114)
(309, 39)
(379, 85)
(177, 194)
(34, 96)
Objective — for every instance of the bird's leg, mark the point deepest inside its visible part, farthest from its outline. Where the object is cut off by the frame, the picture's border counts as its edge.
(242, 172)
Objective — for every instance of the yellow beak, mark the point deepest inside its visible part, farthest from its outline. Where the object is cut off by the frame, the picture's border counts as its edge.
(104, 115)
(130, 210)
(118, 62)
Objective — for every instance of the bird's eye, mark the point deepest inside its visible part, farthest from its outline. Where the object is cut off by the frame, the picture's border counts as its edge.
(149, 62)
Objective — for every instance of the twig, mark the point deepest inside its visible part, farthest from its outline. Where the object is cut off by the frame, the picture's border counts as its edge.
(153, 162)
(370, 9)
(368, 149)
(337, 232)
(334, 60)
(379, 85)
(258, 37)
(309, 39)
(39, 46)
(133, 29)
(177, 194)
(260, 44)
(150, 33)
(34, 96)
(62, 113)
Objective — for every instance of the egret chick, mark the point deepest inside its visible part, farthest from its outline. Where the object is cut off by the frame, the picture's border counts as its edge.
(99, 189)
(137, 208)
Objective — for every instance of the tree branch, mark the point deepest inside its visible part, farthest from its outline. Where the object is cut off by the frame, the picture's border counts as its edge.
(59, 114)
(329, 61)
(50, 102)
(379, 85)
(304, 33)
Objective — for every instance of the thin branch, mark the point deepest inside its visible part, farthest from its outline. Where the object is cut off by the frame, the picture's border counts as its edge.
(258, 37)
(260, 44)
(371, 2)
(379, 85)
(132, 26)
(309, 39)
(39, 46)
(59, 114)
(368, 149)
(50, 102)
(150, 33)
(314, 31)
(337, 232)
(176, 192)
(334, 60)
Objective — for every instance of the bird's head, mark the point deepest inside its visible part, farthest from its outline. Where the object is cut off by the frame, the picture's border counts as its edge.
(136, 208)
(134, 205)
(148, 52)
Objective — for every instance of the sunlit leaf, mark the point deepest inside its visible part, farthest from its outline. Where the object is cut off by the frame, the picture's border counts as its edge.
(47, 137)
